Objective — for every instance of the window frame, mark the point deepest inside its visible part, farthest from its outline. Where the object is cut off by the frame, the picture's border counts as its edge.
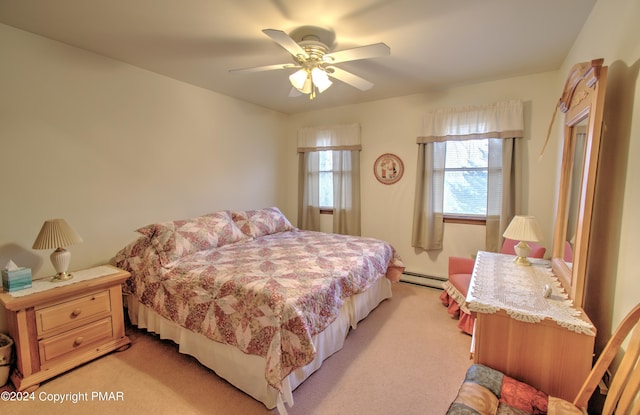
(464, 220)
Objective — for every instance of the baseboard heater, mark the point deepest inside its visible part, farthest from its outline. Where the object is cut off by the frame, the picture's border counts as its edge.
(422, 279)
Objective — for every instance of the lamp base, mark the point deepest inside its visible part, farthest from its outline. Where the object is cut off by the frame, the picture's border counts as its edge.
(60, 259)
(61, 276)
(522, 250)
(522, 260)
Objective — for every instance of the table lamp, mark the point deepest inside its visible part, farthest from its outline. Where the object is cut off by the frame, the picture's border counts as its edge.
(524, 229)
(56, 233)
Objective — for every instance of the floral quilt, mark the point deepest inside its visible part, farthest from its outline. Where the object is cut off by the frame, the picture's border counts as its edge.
(266, 296)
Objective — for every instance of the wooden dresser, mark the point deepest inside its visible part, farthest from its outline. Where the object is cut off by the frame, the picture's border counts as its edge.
(58, 326)
(545, 342)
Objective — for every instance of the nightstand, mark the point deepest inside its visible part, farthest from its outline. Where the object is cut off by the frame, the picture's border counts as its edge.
(59, 326)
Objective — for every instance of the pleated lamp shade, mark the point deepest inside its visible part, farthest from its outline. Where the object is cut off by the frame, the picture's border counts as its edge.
(56, 234)
(524, 229)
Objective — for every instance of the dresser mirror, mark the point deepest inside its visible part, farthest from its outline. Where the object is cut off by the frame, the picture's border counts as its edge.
(582, 104)
(577, 150)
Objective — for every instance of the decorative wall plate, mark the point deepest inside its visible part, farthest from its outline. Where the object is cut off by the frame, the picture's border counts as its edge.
(388, 168)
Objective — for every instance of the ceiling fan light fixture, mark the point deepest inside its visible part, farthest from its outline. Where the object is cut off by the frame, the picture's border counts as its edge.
(320, 79)
(298, 79)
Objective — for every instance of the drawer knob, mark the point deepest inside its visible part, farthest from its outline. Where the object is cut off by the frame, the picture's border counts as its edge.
(78, 341)
(76, 312)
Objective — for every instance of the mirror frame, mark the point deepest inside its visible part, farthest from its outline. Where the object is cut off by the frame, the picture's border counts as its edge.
(582, 98)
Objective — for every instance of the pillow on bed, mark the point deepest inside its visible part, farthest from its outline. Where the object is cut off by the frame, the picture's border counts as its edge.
(267, 221)
(176, 239)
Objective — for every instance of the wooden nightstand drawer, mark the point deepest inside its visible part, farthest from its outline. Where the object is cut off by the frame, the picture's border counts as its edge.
(59, 327)
(73, 340)
(72, 313)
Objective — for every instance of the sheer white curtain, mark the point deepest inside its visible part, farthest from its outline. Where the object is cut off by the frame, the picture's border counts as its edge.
(502, 123)
(344, 142)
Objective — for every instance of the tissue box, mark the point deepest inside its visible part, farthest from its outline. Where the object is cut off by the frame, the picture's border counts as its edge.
(18, 279)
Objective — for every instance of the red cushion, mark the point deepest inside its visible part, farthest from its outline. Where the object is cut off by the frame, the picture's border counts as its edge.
(522, 396)
(460, 265)
(460, 282)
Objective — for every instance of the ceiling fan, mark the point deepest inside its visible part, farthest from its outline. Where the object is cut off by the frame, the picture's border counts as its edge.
(315, 62)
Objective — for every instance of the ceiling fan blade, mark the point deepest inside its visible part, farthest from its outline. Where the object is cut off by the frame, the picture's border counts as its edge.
(286, 42)
(349, 78)
(362, 52)
(266, 68)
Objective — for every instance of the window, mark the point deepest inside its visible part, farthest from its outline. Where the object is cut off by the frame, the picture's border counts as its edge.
(481, 182)
(329, 177)
(326, 180)
(465, 178)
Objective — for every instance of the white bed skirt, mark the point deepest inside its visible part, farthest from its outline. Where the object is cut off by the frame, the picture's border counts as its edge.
(247, 372)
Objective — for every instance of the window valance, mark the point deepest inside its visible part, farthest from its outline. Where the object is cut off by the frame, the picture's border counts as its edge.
(498, 120)
(335, 137)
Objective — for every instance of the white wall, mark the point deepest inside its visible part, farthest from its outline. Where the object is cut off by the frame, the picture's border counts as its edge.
(111, 147)
(392, 125)
(613, 281)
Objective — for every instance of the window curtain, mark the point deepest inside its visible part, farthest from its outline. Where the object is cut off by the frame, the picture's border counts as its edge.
(502, 123)
(428, 221)
(344, 142)
(309, 191)
(346, 192)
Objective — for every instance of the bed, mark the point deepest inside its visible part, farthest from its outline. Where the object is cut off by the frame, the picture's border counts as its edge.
(253, 298)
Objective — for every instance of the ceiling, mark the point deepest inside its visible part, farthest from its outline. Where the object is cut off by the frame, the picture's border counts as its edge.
(435, 44)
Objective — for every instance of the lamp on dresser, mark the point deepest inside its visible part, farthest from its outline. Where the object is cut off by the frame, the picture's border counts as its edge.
(524, 229)
(56, 234)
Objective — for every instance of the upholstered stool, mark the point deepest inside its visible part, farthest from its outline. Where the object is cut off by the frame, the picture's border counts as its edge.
(456, 287)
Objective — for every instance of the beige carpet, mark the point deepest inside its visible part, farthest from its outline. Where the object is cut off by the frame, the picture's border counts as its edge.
(408, 357)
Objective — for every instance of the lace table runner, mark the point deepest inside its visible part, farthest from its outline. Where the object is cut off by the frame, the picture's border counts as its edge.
(498, 283)
(45, 284)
